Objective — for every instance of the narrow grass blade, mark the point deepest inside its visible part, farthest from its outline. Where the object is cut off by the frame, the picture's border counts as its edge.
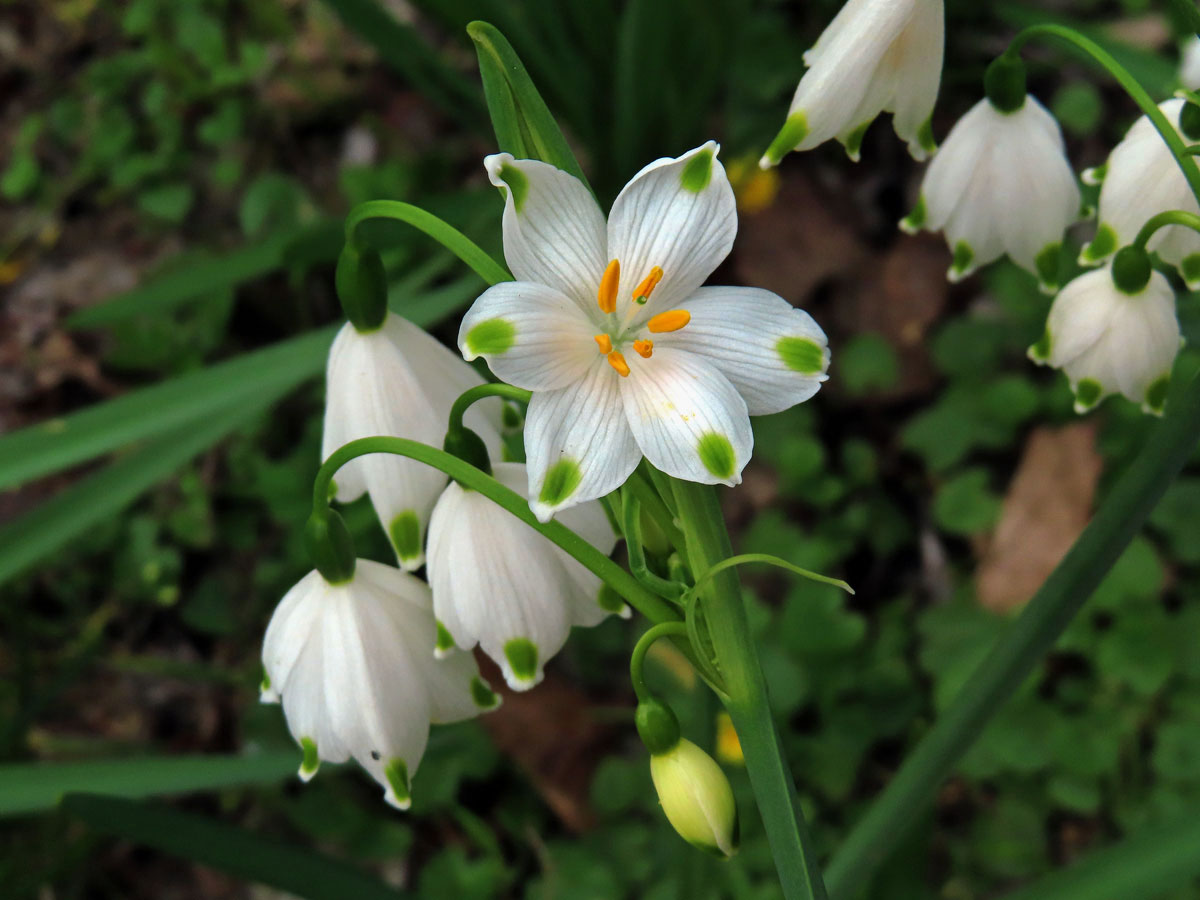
(297, 870)
(27, 788)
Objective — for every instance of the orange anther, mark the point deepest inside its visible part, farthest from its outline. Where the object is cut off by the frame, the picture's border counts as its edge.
(617, 360)
(609, 281)
(671, 320)
(604, 342)
(649, 283)
(644, 348)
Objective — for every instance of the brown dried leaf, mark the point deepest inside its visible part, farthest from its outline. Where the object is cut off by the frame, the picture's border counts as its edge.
(1048, 504)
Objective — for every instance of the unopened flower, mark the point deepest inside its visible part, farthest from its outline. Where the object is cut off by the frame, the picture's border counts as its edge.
(352, 666)
(1142, 179)
(498, 583)
(397, 381)
(875, 56)
(1001, 183)
(1109, 341)
(626, 354)
(696, 798)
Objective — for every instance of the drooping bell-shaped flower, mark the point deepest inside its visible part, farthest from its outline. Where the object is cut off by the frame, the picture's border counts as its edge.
(1113, 341)
(351, 664)
(398, 381)
(1140, 180)
(624, 350)
(875, 56)
(1001, 183)
(499, 584)
(1189, 64)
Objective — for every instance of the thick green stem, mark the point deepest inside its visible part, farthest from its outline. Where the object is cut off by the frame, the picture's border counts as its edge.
(1022, 647)
(649, 605)
(1136, 92)
(442, 232)
(1161, 220)
(746, 693)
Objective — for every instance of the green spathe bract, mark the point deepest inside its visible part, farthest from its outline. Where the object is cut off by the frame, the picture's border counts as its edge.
(491, 337)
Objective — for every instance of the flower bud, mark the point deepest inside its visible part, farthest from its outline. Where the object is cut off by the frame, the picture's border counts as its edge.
(362, 287)
(469, 447)
(697, 798)
(329, 546)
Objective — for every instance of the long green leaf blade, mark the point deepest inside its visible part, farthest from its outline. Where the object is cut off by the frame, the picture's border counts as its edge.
(36, 787)
(58, 443)
(236, 851)
(523, 123)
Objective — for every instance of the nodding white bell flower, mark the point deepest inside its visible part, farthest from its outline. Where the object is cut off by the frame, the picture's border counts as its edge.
(875, 56)
(1108, 341)
(498, 583)
(1001, 183)
(352, 665)
(624, 350)
(397, 381)
(1189, 64)
(1141, 179)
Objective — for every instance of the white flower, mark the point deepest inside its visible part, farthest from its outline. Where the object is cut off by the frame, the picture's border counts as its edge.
(1107, 341)
(626, 354)
(1001, 183)
(1141, 179)
(875, 56)
(498, 583)
(397, 381)
(353, 665)
(1189, 64)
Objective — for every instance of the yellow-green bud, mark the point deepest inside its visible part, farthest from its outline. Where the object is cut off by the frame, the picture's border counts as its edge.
(697, 798)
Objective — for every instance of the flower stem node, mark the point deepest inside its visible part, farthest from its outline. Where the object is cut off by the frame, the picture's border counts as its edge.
(469, 447)
(1004, 83)
(1131, 269)
(696, 797)
(657, 726)
(330, 546)
(362, 287)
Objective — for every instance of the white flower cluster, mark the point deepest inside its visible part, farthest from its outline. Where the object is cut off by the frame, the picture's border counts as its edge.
(1002, 184)
(648, 365)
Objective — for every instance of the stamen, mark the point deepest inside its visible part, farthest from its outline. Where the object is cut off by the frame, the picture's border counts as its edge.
(616, 359)
(649, 283)
(604, 342)
(671, 320)
(609, 281)
(644, 348)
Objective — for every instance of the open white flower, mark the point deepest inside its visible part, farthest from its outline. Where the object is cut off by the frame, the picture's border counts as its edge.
(626, 354)
(1001, 183)
(352, 665)
(875, 56)
(498, 583)
(397, 381)
(1107, 341)
(1141, 179)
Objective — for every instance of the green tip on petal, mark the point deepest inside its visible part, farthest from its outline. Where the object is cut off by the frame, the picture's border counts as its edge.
(398, 793)
(1189, 268)
(853, 141)
(1087, 394)
(915, 220)
(794, 130)
(697, 172)
(491, 337)
(717, 454)
(485, 698)
(445, 640)
(1156, 396)
(1040, 352)
(1103, 245)
(311, 761)
(925, 137)
(801, 354)
(963, 263)
(522, 656)
(517, 183)
(1046, 264)
(405, 532)
(560, 482)
(610, 601)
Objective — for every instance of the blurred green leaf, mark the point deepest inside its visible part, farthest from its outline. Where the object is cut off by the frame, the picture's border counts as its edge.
(235, 851)
(965, 504)
(1079, 106)
(867, 363)
(274, 202)
(170, 202)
